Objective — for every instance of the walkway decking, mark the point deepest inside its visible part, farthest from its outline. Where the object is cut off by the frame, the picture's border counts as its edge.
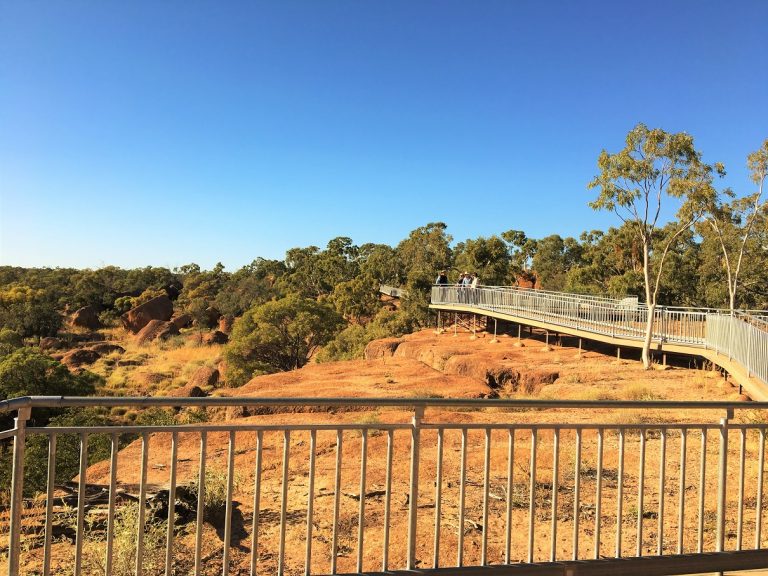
(737, 343)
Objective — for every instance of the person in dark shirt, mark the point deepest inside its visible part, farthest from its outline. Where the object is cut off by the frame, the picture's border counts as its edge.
(442, 278)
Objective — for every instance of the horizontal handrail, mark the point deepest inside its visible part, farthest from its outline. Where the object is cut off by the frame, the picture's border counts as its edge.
(410, 403)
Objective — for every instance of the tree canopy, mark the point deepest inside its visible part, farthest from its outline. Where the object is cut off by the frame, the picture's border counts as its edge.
(279, 335)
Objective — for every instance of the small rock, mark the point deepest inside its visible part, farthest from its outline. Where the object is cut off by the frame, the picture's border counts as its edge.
(205, 376)
(188, 391)
(79, 357)
(105, 348)
(382, 348)
(182, 320)
(156, 330)
(215, 337)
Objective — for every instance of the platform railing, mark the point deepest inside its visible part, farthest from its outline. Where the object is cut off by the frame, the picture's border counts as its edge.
(378, 485)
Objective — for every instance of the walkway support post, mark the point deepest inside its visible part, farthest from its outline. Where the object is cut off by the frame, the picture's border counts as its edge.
(413, 504)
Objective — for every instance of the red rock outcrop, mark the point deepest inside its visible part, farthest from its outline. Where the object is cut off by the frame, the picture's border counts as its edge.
(86, 317)
(159, 308)
(156, 330)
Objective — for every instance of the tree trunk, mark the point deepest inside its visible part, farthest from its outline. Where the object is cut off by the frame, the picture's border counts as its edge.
(648, 336)
(650, 300)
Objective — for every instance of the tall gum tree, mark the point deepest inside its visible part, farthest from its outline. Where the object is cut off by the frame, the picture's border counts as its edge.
(653, 169)
(733, 222)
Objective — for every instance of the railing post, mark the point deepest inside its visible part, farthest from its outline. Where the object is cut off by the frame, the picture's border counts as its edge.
(17, 489)
(413, 505)
(730, 335)
(722, 471)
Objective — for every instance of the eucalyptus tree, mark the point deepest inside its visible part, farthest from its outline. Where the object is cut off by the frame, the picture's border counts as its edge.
(425, 252)
(653, 169)
(279, 335)
(733, 222)
(381, 262)
(487, 257)
(521, 250)
(554, 257)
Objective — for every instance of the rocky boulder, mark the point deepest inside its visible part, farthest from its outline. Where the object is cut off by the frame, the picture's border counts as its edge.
(381, 348)
(50, 343)
(183, 320)
(188, 391)
(86, 317)
(105, 348)
(156, 330)
(79, 357)
(159, 308)
(215, 337)
(225, 324)
(205, 376)
(532, 382)
(212, 316)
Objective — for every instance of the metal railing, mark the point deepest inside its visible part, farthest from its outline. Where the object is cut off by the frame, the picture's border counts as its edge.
(418, 483)
(394, 291)
(743, 336)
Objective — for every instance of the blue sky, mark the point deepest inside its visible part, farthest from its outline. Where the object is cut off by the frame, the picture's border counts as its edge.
(162, 133)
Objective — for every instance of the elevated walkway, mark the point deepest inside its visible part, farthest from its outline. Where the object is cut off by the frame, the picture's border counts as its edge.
(738, 342)
(392, 291)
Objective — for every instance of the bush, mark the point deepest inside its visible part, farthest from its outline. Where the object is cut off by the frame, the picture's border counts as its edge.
(124, 558)
(348, 345)
(27, 372)
(156, 417)
(67, 451)
(29, 312)
(10, 338)
(215, 497)
(279, 335)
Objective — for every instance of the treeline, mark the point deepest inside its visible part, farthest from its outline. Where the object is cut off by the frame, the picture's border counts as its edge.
(346, 277)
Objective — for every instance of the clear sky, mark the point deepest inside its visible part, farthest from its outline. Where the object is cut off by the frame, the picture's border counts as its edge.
(137, 133)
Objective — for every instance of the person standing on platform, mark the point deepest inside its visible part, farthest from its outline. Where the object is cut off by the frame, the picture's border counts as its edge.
(473, 289)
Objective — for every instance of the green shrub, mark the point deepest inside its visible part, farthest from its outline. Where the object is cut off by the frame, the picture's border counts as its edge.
(124, 554)
(215, 496)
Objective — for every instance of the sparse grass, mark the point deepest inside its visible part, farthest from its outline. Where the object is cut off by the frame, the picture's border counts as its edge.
(171, 343)
(573, 378)
(425, 394)
(370, 419)
(215, 496)
(641, 392)
(124, 558)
